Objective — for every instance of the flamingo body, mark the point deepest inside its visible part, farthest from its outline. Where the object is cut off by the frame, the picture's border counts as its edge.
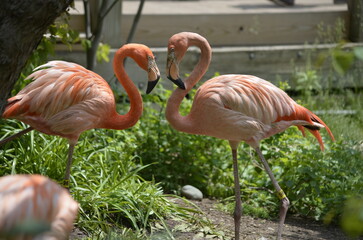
(35, 207)
(246, 108)
(66, 99)
(236, 108)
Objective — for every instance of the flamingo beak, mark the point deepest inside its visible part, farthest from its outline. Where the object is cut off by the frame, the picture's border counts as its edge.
(177, 82)
(172, 70)
(153, 75)
(151, 85)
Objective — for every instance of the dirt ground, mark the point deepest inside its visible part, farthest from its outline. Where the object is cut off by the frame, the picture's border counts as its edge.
(295, 228)
(260, 229)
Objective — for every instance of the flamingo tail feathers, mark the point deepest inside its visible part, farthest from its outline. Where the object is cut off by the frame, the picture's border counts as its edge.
(12, 108)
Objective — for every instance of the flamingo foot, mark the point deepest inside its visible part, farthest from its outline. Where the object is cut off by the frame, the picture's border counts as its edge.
(280, 193)
(283, 210)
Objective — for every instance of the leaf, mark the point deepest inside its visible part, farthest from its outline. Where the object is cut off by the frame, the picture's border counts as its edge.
(342, 61)
(352, 217)
(358, 52)
(211, 236)
(199, 235)
(86, 44)
(103, 51)
(321, 58)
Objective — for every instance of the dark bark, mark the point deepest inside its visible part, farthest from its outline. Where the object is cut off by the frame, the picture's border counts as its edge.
(97, 33)
(22, 25)
(134, 26)
(355, 8)
(135, 22)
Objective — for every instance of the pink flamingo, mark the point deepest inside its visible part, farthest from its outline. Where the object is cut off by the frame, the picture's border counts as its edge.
(66, 99)
(33, 206)
(236, 108)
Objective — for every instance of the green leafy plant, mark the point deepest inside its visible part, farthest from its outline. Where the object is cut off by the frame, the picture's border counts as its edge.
(105, 179)
(177, 158)
(341, 58)
(120, 177)
(102, 53)
(352, 217)
(315, 181)
(308, 82)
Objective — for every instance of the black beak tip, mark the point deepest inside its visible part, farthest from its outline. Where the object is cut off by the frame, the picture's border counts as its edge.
(177, 82)
(151, 85)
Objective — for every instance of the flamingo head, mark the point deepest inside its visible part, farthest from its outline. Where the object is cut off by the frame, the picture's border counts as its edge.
(177, 47)
(144, 57)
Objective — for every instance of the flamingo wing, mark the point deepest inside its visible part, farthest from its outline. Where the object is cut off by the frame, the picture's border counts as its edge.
(63, 95)
(252, 109)
(253, 97)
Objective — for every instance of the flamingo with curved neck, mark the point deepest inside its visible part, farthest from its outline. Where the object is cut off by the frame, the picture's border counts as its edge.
(66, 99)
(236, 108)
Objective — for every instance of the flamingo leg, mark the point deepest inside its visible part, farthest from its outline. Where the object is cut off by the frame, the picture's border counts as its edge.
(238, 207)
(280, 193)
(69, 164)
(8, 139)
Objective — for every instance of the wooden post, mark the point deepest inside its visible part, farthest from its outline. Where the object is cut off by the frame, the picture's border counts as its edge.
(355, 8)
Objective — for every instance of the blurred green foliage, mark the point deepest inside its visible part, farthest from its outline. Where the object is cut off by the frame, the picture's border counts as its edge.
(105, 180)
(315, 181)
(352, 217)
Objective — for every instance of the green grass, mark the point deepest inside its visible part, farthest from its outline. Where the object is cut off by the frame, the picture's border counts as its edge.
(121, 178)
(316, 182)
(113, 197)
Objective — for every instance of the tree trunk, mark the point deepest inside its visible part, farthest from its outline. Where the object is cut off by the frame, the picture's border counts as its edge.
(102, 25)
(22, 25)
(355, 8)
(97, 29)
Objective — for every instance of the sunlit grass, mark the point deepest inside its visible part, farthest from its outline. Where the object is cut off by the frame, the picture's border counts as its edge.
(120, 178)
(105, 180)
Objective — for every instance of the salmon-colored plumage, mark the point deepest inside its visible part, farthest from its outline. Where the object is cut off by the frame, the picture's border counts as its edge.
(65, 99)
(234, 107)
(35, 207)
(244, 108)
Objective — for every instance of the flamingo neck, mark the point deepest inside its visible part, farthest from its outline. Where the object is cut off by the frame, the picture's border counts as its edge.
(128, 120)
(202, 66)
(185, 123)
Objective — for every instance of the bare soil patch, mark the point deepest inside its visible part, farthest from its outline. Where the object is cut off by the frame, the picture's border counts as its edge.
(296, 228)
